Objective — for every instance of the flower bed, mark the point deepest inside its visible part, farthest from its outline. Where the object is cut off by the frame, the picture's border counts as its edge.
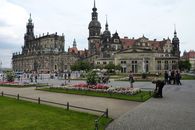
(103, 88)
(84, 85)
(9, 83)
(122, 90)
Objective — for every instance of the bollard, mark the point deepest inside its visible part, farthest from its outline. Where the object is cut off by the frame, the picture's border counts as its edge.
(18, 96)
(107, 113)
(68, 106)
(39, 100)
(96, 125)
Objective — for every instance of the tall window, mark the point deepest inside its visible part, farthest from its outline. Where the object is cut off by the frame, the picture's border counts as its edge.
(134, 66)
(55, 67)
(158, 65)
(166, 65)
(147, 66)
(123, 70)
(173, 65)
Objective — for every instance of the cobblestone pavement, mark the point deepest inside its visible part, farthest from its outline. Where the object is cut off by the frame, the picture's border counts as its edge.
(175, 111)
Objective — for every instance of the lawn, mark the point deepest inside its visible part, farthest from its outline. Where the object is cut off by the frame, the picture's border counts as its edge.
(187, 77)
(23, 115)
(140, 97)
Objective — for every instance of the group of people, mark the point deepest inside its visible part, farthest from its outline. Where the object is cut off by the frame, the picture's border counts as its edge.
(67, 76)
(172, 77)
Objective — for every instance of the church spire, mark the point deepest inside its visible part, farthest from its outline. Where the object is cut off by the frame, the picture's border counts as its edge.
(106, 23)
(29, 29)
(30, 19)
(94, 4)
(175, 32)
(74, 43)
(94, 13)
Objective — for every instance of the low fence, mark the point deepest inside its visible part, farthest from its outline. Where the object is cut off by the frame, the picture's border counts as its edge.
(67, 105)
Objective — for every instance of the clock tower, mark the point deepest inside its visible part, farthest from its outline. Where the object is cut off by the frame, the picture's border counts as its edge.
(94, 33)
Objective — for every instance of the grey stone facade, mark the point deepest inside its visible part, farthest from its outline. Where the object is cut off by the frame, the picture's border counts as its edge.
(44, 54)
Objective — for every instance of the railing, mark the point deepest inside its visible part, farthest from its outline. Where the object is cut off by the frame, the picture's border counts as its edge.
(67, 105)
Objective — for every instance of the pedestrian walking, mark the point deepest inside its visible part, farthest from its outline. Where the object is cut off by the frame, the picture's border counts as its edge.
(178, 78)
(69, 76)
(36, 78)
(166, 77)
(131, 79)
(169, 76)
(173, 77)
(65, 77)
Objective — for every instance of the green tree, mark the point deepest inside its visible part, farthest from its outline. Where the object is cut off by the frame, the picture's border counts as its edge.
(10, 76)
(110, 67)
(92, 78)
(184, 65)
(118, 67)
(81, 65)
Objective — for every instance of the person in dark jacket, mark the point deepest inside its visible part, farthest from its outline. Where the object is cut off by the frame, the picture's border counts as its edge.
(166, 77)
(159, 87)
(178, 78)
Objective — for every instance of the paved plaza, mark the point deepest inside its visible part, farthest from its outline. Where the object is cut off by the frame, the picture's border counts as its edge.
(175, 111)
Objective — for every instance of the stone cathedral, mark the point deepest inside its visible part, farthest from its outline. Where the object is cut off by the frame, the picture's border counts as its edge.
(43, 54)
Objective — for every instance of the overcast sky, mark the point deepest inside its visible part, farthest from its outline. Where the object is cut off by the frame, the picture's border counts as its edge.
(133, 18)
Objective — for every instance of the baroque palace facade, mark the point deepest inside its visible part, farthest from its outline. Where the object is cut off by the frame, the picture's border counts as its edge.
(141, 55)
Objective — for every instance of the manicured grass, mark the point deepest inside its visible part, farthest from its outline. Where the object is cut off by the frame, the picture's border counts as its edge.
(23, 115)
(187, 77)
(140, 97)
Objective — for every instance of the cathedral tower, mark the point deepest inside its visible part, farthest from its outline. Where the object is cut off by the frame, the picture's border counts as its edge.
(29, 30)
(28, 36)
(175, 42)
(94, 33)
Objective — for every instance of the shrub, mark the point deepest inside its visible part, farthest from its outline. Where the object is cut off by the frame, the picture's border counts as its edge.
(92, 78)
(10, 76)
